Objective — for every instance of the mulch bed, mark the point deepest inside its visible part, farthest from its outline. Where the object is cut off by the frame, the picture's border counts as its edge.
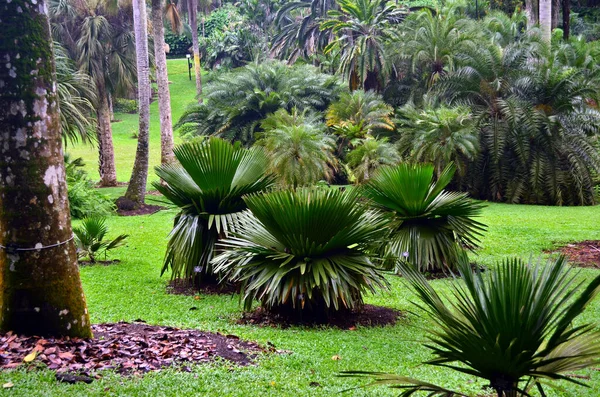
(583, 254)
(184, 287)
(368, 316)
(127, 348)
(144, 209)
(101, 263)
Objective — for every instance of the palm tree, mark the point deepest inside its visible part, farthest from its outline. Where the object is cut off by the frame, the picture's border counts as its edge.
(169, 10)
(299, 154)
(193, 20)
(545, 16)
(41, 290)
(361, 28)
(514, 327)
(136, 190)
(238, 101)
(101, 42)
(304, 252)
(430, 227)
(207, 185)
(370, 154)
(438, 135)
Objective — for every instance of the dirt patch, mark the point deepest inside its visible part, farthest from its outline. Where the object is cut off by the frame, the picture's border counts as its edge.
(127, 348)
(144, 209)
(100, 263)
(367, 316)
(119, 184)
(184, 287)
(584, 253)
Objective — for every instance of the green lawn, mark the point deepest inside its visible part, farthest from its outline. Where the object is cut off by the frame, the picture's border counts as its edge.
(133, 290)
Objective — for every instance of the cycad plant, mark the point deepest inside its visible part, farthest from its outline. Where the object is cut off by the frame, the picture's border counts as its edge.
(430, 227)
(207, 184)
(304, 251)
(513, 327)
(90, 238)
(370, 154)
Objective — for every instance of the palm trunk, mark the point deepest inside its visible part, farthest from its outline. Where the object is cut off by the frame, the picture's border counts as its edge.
(532, 12)
(40, 289)
(546, 20)
(106, 151)
(555, 12)
(193, 10)
(136, 191)
(162, 79)
(566, 9)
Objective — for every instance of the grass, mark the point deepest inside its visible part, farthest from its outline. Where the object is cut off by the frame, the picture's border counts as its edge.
(134, 290)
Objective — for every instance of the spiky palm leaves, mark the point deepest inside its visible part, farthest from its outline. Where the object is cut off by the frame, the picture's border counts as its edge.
(207, 185)
(304, 251)
(361, 29)
(300, 153)
(430, 227)
(90, 238)
(236, 102)
(513, 327)
(370, 154)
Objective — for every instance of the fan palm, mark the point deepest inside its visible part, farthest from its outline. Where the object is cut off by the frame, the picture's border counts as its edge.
(370, 154)
(361, 28)
(430, 227)
(90, 238)
(299, 154)
(237, 102)
(207, 185)
(304, 251)
(513, 327)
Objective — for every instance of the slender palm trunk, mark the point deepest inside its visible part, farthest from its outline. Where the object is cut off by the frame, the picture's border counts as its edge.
(162, 79)
(566, 11)
(546, 20)
(40, 289)
(106, 151)
(532, 12)
(193, 10)
(136, 191)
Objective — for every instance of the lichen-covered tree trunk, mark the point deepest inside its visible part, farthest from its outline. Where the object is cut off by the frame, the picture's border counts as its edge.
(193, 10)
(40, 289)
(546, 20)
(106, 151)
(136, 191)
(162, 79)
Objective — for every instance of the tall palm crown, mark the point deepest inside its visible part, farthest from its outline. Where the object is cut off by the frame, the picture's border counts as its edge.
(304, 250)
(207, 185)
(430, 227)
(361, 28)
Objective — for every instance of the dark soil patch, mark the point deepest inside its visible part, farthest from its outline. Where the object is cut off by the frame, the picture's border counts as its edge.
(441, 274)
(583, 254)
(184, 287)
(119, 184)
(126, 348)
(101, 263)
(144, 209)
(367, 316)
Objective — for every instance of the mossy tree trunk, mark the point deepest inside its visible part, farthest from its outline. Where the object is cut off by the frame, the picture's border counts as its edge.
(136, 191)
(40, 289)
(162, 79)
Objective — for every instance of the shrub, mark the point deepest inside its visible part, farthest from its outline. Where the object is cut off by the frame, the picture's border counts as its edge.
(207, 185)
(89, 238)
(513, 327)
(304, 251)
(430, 227)
(124, 105)
(84, 199)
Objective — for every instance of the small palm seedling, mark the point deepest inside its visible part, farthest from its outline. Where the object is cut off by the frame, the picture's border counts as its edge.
(430, 227)
(207, 184)
(90, 238)
(513, 328)
(304, 252)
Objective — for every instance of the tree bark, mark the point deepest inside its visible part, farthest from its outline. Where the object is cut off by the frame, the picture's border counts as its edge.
(193, 11)
(106, 151)
(532, 12)
(136, 191)
(546, 20)
(556, 4)
(40, 289)
(162, 79)
(566, 9)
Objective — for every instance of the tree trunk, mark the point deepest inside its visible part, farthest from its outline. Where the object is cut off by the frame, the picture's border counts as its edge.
(566, 9)
(110, 108)
(106, 151)
(193, 10)
(136, 191)
(40, 289)
(532, 12)
(546, 20)
(162, 80)
(556, 4)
